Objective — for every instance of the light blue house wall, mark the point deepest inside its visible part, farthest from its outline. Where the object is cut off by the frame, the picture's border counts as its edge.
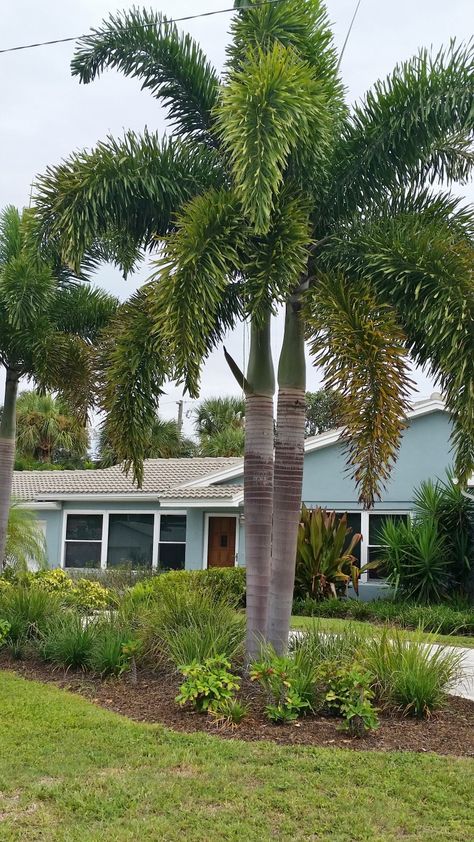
(424, 454)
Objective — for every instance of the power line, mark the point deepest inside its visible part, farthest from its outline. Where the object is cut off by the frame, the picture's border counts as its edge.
(165, 20)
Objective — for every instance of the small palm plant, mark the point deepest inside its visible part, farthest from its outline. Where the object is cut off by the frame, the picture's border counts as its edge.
(25, 542)
(325, 562)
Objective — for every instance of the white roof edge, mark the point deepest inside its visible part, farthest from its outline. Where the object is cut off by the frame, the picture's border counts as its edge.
(211, 479)
(126, 498)
(204, 502)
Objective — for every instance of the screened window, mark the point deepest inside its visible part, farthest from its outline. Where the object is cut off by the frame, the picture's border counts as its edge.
(130, 542)
(172, 545)
(83, 541)
(376, 522)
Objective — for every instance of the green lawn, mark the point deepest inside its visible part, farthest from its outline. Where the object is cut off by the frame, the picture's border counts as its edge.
(73, 772)
(336, 625)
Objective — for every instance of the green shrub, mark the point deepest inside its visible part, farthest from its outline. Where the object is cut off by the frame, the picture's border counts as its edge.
(191, 625)
(4, 630)
(324, 561)
(415, 555)
(108, 654)
(68, 641)
(348, 692)
(83, 594)
(289, 689)
(229, 712)
(28, 611)
(207, 684)
(411, 674)
(223, 583)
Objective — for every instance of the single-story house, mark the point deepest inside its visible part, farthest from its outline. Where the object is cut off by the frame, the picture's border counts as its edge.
(189, 512)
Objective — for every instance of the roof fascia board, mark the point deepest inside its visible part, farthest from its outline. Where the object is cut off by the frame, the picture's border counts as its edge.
(204, 502)
(211, 479)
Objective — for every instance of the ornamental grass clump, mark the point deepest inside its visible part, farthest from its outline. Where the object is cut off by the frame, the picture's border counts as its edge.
(28, 611)
(191, 626)
(68, 641)
(111, 650)
(411, 674)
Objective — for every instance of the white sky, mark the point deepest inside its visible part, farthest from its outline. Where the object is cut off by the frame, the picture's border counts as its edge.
(45, 113)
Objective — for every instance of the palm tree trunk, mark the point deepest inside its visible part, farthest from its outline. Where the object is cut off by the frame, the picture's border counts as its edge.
(7, 455)
(258, 483)
(288, 477)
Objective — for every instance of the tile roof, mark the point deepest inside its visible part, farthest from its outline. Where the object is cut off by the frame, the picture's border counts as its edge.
(162, 477)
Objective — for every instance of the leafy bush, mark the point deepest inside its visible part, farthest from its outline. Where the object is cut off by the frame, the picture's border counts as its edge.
(348, 692)
(445, 504)
(411, 674)
(4, 630)
(223, 583)
(229, 712)
(111, 651)
(68, 641)
(416, 558)
(28, 611)
(324, 561)
(83, 594)
(191, 625)
(207, 684)
(289, 691)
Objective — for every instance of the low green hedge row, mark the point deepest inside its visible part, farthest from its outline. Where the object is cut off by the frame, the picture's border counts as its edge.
(222, 582)
(443, 618)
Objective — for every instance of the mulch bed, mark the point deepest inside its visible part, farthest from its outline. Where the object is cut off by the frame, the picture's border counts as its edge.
(152, 699)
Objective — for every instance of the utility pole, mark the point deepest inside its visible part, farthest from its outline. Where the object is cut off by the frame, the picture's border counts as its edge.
(180, 414)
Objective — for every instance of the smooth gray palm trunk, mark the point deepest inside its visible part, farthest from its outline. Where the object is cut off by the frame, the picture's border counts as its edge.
(7, 455)
(258, 486)
(288, 478)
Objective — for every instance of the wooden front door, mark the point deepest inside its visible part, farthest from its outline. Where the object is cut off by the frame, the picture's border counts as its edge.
(221, 543)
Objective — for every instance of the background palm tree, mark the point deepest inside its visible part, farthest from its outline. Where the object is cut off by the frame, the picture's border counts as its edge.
(47, 430)
(272, 191)
(49, 324)
(220, 426)
(164, 442)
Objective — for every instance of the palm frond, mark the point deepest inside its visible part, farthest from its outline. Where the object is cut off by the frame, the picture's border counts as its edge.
(361, 349)
(144, 45)
(130, 187)
(267, 110)
(414, 127)
(191, 306)
(423, 268)
(83, 310)
(11, 239)
(132, 371)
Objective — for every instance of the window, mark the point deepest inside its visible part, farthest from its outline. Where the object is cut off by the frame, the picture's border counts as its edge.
(140, 540)
(130, 541)
(376, 522)
(172, 546)
(83, 541)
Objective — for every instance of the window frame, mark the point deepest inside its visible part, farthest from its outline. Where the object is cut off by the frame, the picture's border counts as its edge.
(104, 541)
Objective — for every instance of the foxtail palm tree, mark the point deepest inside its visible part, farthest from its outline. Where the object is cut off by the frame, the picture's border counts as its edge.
(273, 191)
(48, 327)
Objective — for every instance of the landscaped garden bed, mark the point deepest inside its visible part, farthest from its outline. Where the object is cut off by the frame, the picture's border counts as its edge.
(448, 731)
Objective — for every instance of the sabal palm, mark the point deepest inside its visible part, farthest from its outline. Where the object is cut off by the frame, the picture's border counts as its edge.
(48, 326)
(213, 415)
(273, 192)
(47, 430)
(164, 441)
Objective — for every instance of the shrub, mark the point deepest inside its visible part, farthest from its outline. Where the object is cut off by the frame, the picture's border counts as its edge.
(324, 561)
(68, 641)
(207, 684)
(191, 625)
(445, 504)
(223, 583)
(4, 630)
(289, 691)
(83, 594)
(28, 611)
(411, 674)
(416, 558)
(229, 712)
(348, 692)
(109, 654)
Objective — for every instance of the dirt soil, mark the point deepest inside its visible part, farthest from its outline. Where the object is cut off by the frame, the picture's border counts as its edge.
(449, 731)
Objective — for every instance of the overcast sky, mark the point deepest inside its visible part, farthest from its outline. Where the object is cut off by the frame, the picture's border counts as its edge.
(45, 113)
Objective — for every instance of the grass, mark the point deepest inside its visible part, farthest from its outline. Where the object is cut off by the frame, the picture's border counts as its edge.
(72, 772)
(339, 625)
